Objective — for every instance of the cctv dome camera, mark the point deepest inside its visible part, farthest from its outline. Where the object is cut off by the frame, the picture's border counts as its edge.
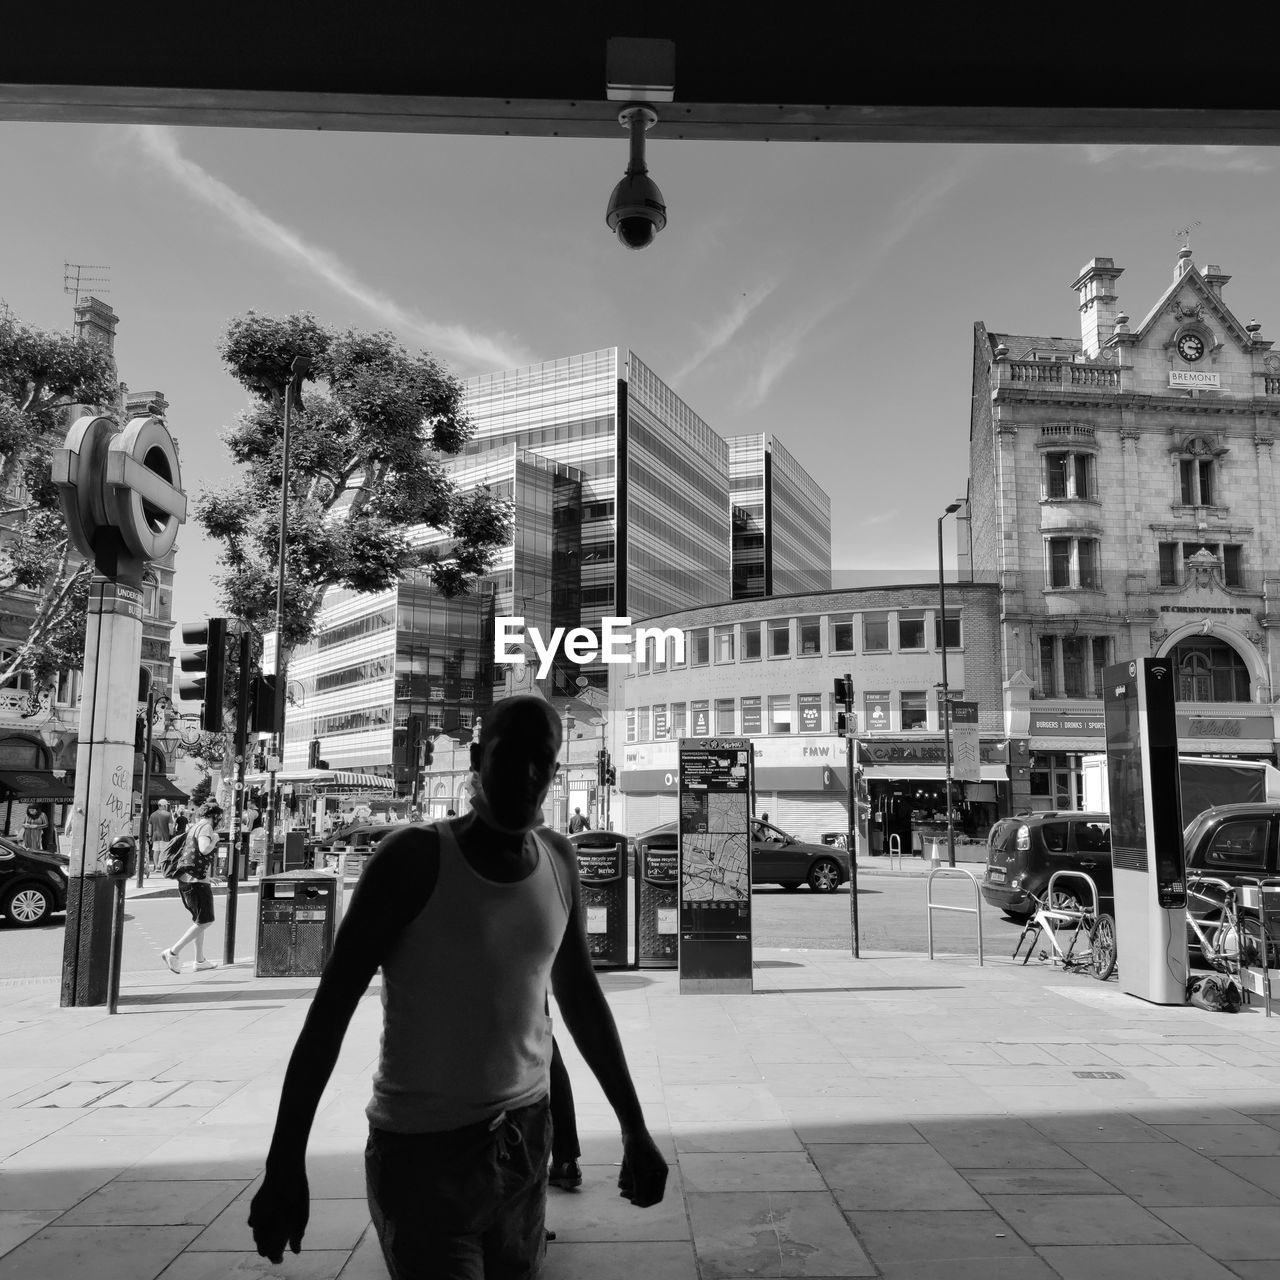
(636, 210)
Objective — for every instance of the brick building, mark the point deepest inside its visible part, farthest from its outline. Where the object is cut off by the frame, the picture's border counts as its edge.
(1123, 495)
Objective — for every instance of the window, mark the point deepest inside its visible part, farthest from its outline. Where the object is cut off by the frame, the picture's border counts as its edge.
(875, 633)
(1072, 562)
(1073, 667)
(725, 725)
(1174, 557)
(631, 725)
(915, 712)
(1101, 660)
(1197, 479)
(700, 647)
(658, 649)
(1240, 846)
(1069, 475)
(751, 642)
(810, 634)
(678, 721)
(700, 718)
(911, 630)
(780, 638)
(1048, 667)
(67, 693)
(678, 653)
(642, 724)
(1210, 670)
(724, 645)
(780, 713)
(1093, 837)
(953, 630)
(1054, 835)
(842, 633)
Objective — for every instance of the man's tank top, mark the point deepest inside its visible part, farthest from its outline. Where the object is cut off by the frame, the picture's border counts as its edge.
(466, 1033)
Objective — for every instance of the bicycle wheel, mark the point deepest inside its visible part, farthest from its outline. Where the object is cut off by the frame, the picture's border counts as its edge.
(1102, 948)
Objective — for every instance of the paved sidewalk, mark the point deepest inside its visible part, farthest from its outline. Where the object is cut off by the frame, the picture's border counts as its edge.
(886, 1117)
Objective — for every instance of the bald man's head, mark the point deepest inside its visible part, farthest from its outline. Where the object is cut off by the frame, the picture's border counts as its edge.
(523, 715)
(516, 759)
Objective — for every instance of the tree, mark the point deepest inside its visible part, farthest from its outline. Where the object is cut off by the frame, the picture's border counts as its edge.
(369, 496)
(42, 577)
(200, 792)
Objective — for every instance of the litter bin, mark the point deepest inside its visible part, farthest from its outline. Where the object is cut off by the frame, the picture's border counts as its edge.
(657, 901)
(602, 871)
(297, 918)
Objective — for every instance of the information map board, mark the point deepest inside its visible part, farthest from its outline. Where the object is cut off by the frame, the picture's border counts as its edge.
(715, 864)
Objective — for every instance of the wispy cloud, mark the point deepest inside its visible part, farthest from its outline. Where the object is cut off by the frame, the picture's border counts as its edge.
(883, 517)
(1207, 159)
(785, 345)
(723, 331)
(476, 350)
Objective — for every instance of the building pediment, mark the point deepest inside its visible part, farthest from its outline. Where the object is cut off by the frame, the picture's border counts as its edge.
(1187, 305)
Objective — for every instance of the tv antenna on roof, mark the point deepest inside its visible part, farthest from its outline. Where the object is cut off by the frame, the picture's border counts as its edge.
(1184, 233)
(74, 279)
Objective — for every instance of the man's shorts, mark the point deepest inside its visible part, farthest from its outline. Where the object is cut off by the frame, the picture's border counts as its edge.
(469, 1204)
(197, 897)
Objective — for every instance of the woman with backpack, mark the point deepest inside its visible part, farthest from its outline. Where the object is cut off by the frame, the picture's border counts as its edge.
(194, 885)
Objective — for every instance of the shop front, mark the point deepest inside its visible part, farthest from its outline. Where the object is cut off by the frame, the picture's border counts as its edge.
(906, 793)
(800, 782)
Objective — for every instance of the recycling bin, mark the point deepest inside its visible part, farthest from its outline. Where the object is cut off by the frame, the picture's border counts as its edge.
(297, 918)
(658, 901)
(602, 872)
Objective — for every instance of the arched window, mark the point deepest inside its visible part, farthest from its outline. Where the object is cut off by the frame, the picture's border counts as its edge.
(1210, 670)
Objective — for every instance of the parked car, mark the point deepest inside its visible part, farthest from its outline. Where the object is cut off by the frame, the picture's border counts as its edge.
(1234, 842)
(33, 884)
(358, 841)
(1024, 852)
(776, 857)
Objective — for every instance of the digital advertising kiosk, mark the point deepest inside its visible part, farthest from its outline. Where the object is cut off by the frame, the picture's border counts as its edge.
(1146, 829)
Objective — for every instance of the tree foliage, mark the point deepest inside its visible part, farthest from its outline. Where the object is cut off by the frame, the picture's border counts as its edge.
(41, 375)
(369, 494)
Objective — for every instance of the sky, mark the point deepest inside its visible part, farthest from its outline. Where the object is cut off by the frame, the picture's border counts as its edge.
(825, 292)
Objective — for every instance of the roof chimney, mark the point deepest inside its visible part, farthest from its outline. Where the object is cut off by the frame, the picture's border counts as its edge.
(1184, 262)
(96, 322)
(1215, 279)
(1095, 286)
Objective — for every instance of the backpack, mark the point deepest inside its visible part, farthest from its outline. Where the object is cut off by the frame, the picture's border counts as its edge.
(172, 857)
(1215, 994)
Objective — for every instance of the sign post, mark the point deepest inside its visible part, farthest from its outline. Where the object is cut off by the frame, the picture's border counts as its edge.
(122, 500)
(715, 865)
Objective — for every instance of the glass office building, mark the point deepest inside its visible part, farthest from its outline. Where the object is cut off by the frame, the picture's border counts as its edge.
(781, 521)
(654, 533)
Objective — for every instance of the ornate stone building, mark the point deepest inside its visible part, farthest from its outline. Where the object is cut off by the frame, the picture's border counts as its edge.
(1123, 493)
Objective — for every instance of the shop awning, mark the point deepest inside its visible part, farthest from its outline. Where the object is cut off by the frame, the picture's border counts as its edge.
(324, 780)
(928, 773)
(34, 784)
(161, 788)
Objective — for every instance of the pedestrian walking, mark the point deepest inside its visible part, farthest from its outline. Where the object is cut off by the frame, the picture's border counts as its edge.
(180, 820)
(33, 828)
(159, 831)
(565, 1171)
(578, 823)
(471, 920)
(195, 887)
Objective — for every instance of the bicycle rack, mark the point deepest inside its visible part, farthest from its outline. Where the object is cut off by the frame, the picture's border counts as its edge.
(1050, 918)
(895, 851)
(1264, 899)
(931, 906)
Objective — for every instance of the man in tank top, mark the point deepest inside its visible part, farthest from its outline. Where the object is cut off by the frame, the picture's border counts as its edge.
(470, 920)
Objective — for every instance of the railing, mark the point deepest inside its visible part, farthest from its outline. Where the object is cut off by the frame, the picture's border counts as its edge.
(1271, 386)
(1066, 430)
(1077, 375)
(931, 906)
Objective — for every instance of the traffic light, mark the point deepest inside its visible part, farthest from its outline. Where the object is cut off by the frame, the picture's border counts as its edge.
(610, 776)
(206, 655)
(602, 767)
(313, 756)
(427, 751)
(262, 705)
(844, 691)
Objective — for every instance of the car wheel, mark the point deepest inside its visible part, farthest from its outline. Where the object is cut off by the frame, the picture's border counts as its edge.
(824, 876)
(1102, 948)
(27, 905)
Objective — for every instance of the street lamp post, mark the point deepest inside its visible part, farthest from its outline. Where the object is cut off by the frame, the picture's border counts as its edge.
(568, 756)
(298, 370)
(944, 705)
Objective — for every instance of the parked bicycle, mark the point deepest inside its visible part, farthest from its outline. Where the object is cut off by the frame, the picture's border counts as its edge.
(1225, 938)
(1091, 947)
